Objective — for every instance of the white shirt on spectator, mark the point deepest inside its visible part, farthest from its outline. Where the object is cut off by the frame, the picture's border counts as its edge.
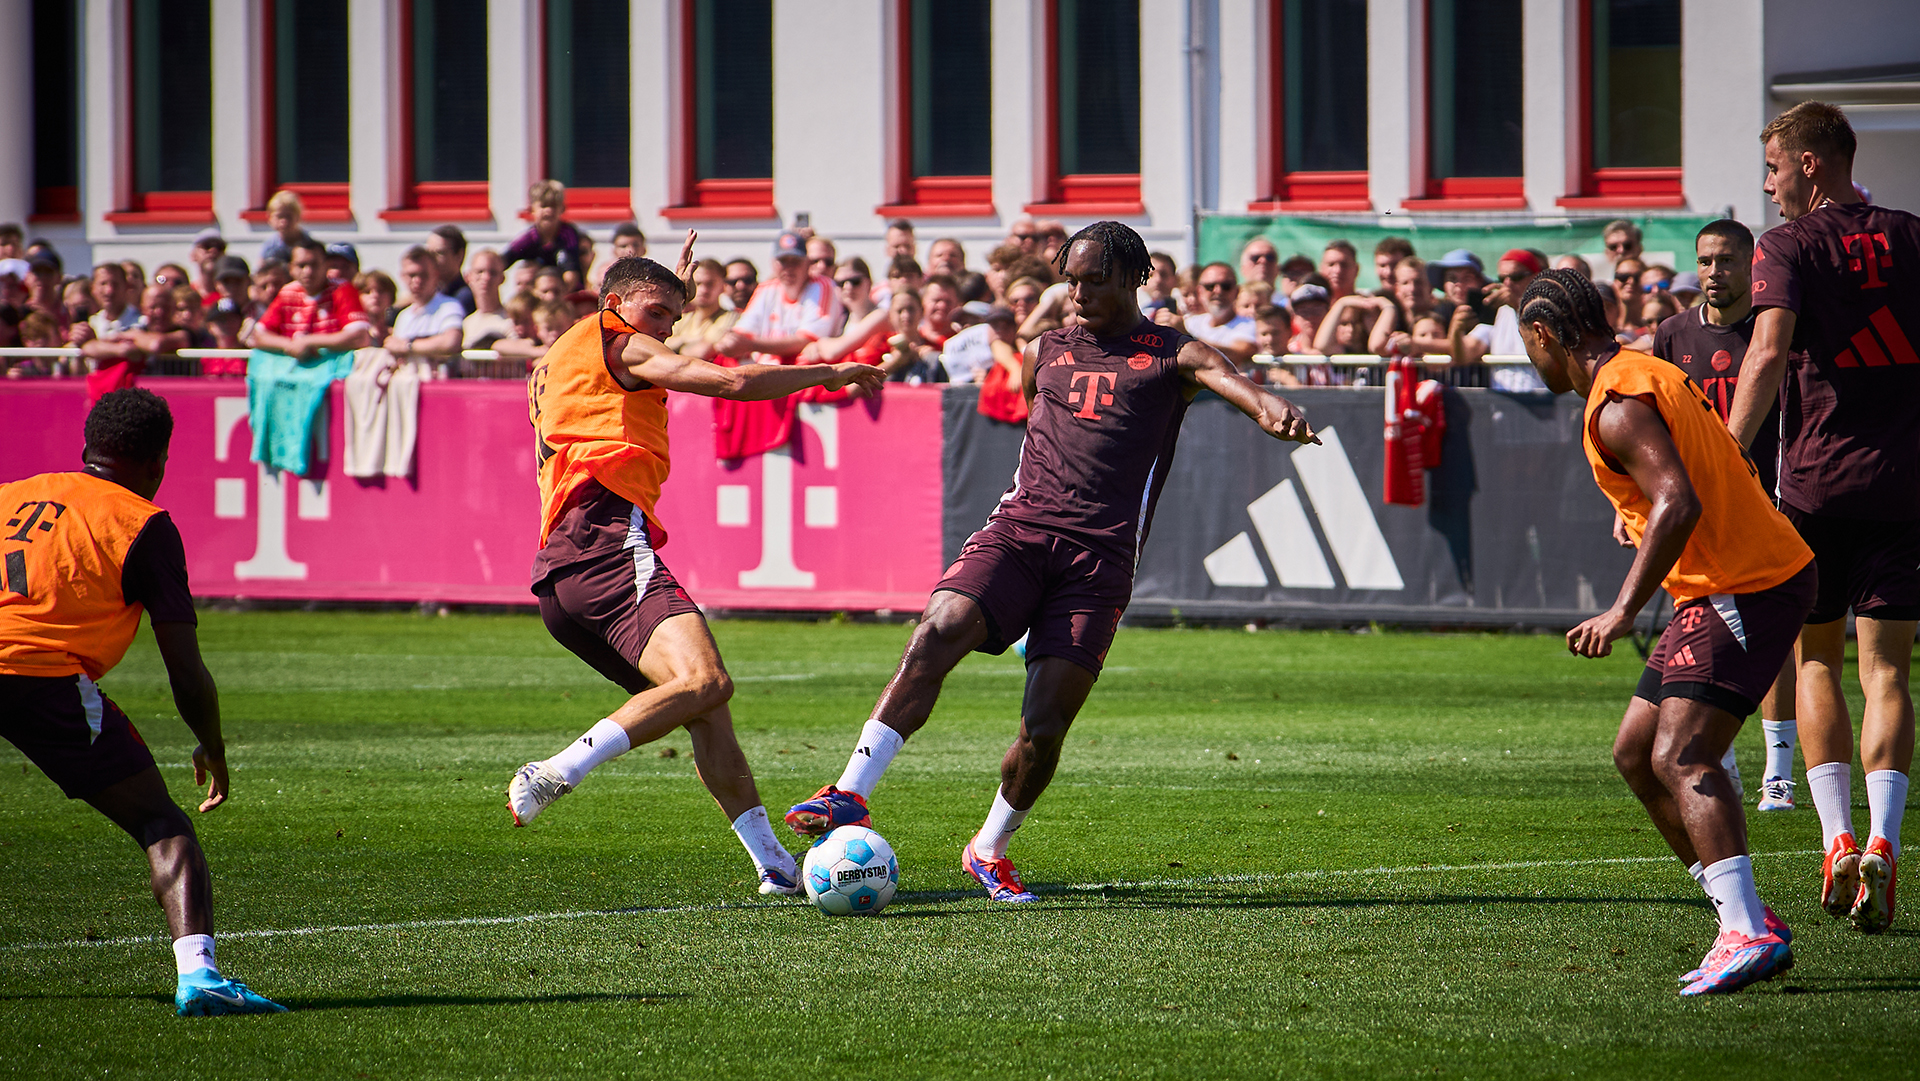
(1240, 330)
(969, 353)
(770, 314)
(439, 314)
(1504, 340)
(103, 327)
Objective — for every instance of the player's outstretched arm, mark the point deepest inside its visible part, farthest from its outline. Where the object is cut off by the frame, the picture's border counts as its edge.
(1760, 373)
(1206, 367)
(1634, 434)
(649, 363)
(198, 701)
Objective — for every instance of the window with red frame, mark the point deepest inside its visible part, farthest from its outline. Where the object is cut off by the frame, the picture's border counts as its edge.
(306, 137)
(1318, 106)
(171, 92)
(946, 141)
(1473, 105)
(444, 47)
(588, 145)
(1631, 106)
(56, 107)
(727, 156)
(1093, 84)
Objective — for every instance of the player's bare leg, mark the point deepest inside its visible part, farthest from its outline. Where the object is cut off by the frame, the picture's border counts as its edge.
(952, 627)
(181, 883)
(1056, 689)
(1826, 742)
(1633, 757)
(1886, 753)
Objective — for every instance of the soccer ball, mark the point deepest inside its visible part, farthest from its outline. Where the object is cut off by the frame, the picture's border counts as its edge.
(851, 872)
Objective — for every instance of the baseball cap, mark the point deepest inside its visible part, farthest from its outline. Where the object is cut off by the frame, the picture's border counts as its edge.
(13, 268)
(343, 250)
(1308, 293)
(979, 309)
(1458, 257)
(1524, 257)
(42, 260)
(1685, 282)
(790, 243)
(230, 266)
(209, 238)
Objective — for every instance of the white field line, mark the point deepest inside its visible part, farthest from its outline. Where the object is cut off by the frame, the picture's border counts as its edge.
(926, 895)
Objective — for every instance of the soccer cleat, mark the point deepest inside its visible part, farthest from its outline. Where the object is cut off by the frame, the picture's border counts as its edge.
(773, 881)
(206, 993)
(1840, 876)
(1768, 920)
(532, 789)
(828, 810)
(1736, 961)
(1776, 794)
(998, 876)
(1873, 906)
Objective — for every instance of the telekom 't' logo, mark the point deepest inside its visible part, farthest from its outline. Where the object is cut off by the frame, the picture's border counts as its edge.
(270, 559)
(820, 504)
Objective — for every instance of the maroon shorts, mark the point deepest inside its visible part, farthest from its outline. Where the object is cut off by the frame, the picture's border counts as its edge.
(1065, 597)
(1868, 566)
(74, 733)
(605, 609)
(1726, 650)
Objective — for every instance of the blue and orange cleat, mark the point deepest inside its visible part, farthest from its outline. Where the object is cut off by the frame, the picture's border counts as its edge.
(1771, 922)
(1736, 961)
(998, 876)
(206, 993)
(1873, 907)
(828, 810)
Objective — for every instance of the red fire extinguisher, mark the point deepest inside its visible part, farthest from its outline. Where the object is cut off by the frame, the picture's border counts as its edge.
(1406, 481)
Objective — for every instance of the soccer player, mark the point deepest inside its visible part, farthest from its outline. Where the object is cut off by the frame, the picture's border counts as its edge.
(1709, 343)
(1841, 281)
(1741, 581)
(84, 554)
(1056, 559)
(598, 401)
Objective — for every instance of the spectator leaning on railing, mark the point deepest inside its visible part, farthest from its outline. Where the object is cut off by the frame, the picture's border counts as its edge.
(449, 247)
(44, 286)
(703, 322)
(312, 315)
(208, 249)
(787, 312)
(488, 322)
(430, 323)
(1218, 325)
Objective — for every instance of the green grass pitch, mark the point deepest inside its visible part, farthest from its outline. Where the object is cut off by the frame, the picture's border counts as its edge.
(1265, 855)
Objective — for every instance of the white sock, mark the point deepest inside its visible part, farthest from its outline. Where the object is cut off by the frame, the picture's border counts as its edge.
(1732, 765)
(1781, 736)
(1730, 884)
(191, 953)
(1832, 787)
(765, 849)
(992, 840)
(604, 742)
(870, 759)
(1886, 805)
(1699, 873)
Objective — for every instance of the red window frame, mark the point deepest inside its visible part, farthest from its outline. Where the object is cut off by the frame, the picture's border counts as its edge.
(325, 202)
(1605, 189)
(931, 196)
(583, 204)
(713, 199)
(429, 200)
(1081, 194)
(1325, 190)
(151, 207)
(1453, 192)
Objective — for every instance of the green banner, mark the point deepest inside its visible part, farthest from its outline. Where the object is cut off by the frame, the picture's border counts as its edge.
(1665, 237)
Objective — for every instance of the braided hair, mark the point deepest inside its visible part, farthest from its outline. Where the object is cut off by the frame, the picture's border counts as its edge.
(1568, 303)
(1121, 249)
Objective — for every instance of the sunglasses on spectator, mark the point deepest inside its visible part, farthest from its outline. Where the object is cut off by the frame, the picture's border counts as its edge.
(1626, 279)
(1620, 246)
(1516, 276)
(1026, 236)
(844, 282)
(1267, 257)
(1211, 286)
(1654, 287)
(739, 281)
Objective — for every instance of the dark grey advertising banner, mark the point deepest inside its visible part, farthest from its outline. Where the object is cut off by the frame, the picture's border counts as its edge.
(1513, 531)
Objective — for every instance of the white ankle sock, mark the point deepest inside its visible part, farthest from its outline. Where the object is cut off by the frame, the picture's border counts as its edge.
(871, 757)
(604, 742)
(992, 840)
(1832, 787)
(1699, 873)
(1886, 805)
(1781, 736)
(765, 849)
(191, 953)
(1730, 884)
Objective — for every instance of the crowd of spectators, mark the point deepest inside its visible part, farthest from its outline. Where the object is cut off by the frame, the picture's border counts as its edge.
(943, 320)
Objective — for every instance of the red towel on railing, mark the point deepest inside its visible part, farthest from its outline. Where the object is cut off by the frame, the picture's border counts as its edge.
(1001, 395)
(116, 376)
(742, 429)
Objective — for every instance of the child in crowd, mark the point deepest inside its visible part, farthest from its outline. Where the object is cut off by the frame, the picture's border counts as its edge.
(1275, 326)
(550, 321)
(549, 241)
(1310, 306)
(909, 358)
(1252, 297)
(284, 213)
(548, 286)
(377, 295)
(37, 331)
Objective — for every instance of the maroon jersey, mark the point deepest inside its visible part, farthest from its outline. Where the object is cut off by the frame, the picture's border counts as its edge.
(1100, 437)
(1850, 435)
(1712, 355)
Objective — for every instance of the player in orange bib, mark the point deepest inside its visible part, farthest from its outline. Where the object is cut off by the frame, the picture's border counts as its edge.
(1742, 583)
(83, 555)
(598, 402)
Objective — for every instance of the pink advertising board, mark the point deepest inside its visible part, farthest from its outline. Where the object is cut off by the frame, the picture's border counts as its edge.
(848, 518)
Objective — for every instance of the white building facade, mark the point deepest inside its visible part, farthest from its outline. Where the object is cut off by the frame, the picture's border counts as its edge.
(145, 121)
